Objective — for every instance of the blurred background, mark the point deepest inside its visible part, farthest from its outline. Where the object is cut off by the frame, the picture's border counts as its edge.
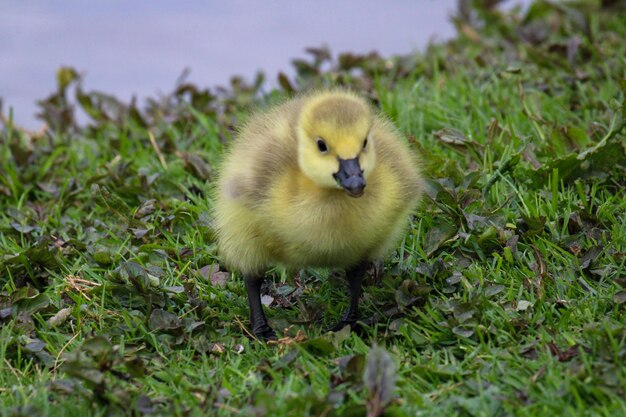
(141, 48)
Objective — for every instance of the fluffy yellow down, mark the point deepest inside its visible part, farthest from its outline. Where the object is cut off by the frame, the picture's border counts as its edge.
(278, 201)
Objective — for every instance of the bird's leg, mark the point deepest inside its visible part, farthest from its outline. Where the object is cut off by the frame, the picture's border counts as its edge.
(258, 322)
(354, 276)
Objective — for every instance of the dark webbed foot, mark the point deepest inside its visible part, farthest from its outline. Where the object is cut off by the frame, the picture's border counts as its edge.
(343, 324)
(264, 333)
(354, 276)
(258, 321)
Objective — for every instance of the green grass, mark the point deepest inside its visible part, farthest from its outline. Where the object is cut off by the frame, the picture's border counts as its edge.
(506, 296)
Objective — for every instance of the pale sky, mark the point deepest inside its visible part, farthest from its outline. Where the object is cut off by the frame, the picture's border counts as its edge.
(141, 47)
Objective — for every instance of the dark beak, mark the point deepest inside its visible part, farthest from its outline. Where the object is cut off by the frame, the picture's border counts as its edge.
(350, 177)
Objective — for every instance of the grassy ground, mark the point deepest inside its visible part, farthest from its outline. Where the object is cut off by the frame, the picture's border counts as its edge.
(506, 297)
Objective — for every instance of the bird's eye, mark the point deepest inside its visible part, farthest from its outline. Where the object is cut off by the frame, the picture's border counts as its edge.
(321, 145)
(364, 143)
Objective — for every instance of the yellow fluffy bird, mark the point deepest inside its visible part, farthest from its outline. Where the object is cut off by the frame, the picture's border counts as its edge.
(318, 181)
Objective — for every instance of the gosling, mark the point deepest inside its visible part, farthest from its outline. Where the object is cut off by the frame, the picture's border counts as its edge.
(318, 181)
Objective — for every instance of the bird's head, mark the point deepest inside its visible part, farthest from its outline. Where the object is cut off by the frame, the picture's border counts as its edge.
(335, 147)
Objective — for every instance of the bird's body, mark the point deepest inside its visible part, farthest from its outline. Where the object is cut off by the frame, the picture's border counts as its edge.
(318, 181)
